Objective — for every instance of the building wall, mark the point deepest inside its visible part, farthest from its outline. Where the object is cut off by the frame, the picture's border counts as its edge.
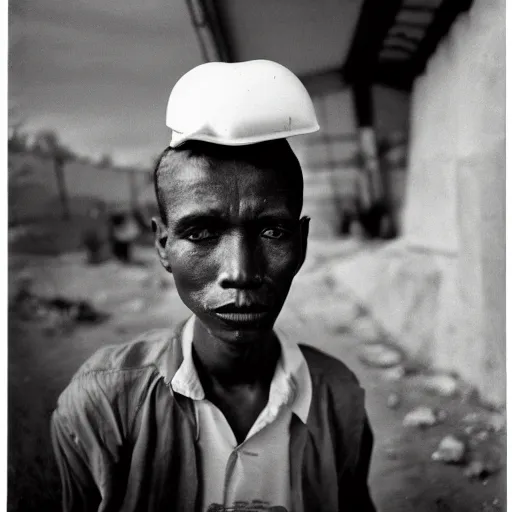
(439, 290)
(455, 198)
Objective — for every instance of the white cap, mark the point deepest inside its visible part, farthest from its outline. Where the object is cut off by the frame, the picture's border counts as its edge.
(235, 104)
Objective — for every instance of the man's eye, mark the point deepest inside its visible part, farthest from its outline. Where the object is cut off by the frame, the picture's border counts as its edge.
(200, 234)
(274, 233)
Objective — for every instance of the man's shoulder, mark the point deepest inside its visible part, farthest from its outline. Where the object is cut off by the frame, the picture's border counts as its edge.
(120, 372)
(327, 367)
(336, 388)
(146, 351)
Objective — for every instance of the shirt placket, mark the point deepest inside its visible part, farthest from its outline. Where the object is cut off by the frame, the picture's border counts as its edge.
(228, 478)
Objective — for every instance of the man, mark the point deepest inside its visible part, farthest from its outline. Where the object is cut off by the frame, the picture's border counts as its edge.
(221, 413)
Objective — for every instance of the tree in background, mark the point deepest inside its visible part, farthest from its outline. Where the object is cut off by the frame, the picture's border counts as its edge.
(17, 141)
(48, 144)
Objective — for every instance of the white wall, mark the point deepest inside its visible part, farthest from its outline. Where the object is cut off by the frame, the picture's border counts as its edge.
(455, 199)
(439, 290)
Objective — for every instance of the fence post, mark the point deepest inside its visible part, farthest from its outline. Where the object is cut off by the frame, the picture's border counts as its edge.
(58, 165)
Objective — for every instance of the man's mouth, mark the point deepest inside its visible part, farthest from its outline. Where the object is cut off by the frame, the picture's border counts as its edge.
(242, 314)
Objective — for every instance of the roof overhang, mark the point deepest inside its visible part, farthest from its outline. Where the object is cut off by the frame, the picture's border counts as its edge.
(328, 43)
(311, 38)
(394, 39)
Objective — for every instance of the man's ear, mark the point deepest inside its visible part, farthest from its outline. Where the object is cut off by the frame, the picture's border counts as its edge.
(304, 233)
(160, 232)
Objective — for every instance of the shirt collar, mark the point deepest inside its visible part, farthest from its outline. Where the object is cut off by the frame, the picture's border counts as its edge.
(291, 384)
(185, 380)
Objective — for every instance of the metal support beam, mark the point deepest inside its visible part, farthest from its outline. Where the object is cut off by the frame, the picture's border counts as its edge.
(363, 102)
(443, 20)
(419, 8)
(375, 20)
(378, 20)
(209, 30)
(395, 74)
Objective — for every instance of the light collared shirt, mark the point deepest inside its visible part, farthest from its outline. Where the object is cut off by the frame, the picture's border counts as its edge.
(118, 418)
(255, 473)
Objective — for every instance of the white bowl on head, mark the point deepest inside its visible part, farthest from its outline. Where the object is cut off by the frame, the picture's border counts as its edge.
(236, 104)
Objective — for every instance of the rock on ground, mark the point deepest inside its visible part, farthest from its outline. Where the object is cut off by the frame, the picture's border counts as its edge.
(451, 450)
(379, 355)
(420, 417)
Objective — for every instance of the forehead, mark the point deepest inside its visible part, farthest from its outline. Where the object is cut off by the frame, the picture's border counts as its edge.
(227, 186)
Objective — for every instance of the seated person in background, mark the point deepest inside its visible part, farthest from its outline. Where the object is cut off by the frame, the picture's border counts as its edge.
(220, 413)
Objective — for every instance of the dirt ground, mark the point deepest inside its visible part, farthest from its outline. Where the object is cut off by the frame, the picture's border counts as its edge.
(45, 352)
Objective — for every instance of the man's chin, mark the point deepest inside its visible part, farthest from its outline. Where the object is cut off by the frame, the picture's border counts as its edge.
(241, 334)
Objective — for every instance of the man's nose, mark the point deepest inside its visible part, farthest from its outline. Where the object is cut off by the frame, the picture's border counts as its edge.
(240, 266)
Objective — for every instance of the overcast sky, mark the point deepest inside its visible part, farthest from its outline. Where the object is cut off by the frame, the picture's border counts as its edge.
(100, 71)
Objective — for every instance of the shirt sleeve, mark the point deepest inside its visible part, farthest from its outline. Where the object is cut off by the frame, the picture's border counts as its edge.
(84, 441)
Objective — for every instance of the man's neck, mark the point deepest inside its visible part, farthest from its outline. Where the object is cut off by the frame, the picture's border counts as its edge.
(233, 365)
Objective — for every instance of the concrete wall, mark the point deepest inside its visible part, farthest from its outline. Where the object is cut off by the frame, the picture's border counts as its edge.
(456, 201)
(439, 291)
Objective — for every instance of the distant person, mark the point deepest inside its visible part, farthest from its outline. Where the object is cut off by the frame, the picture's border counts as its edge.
(96, 235)
(124, 231)
(221, 413)
(143, 218)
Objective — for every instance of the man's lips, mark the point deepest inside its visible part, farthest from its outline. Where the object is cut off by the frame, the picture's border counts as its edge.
(242, 314)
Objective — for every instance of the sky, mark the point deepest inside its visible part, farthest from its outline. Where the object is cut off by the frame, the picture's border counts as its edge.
(99, 72)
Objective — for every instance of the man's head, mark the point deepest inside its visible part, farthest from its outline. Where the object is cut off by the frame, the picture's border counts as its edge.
(230, 231)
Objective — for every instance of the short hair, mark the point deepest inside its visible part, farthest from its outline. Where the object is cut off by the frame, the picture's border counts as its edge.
(264, 154)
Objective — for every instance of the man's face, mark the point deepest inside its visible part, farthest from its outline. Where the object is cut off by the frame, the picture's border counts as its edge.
(233, 242)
